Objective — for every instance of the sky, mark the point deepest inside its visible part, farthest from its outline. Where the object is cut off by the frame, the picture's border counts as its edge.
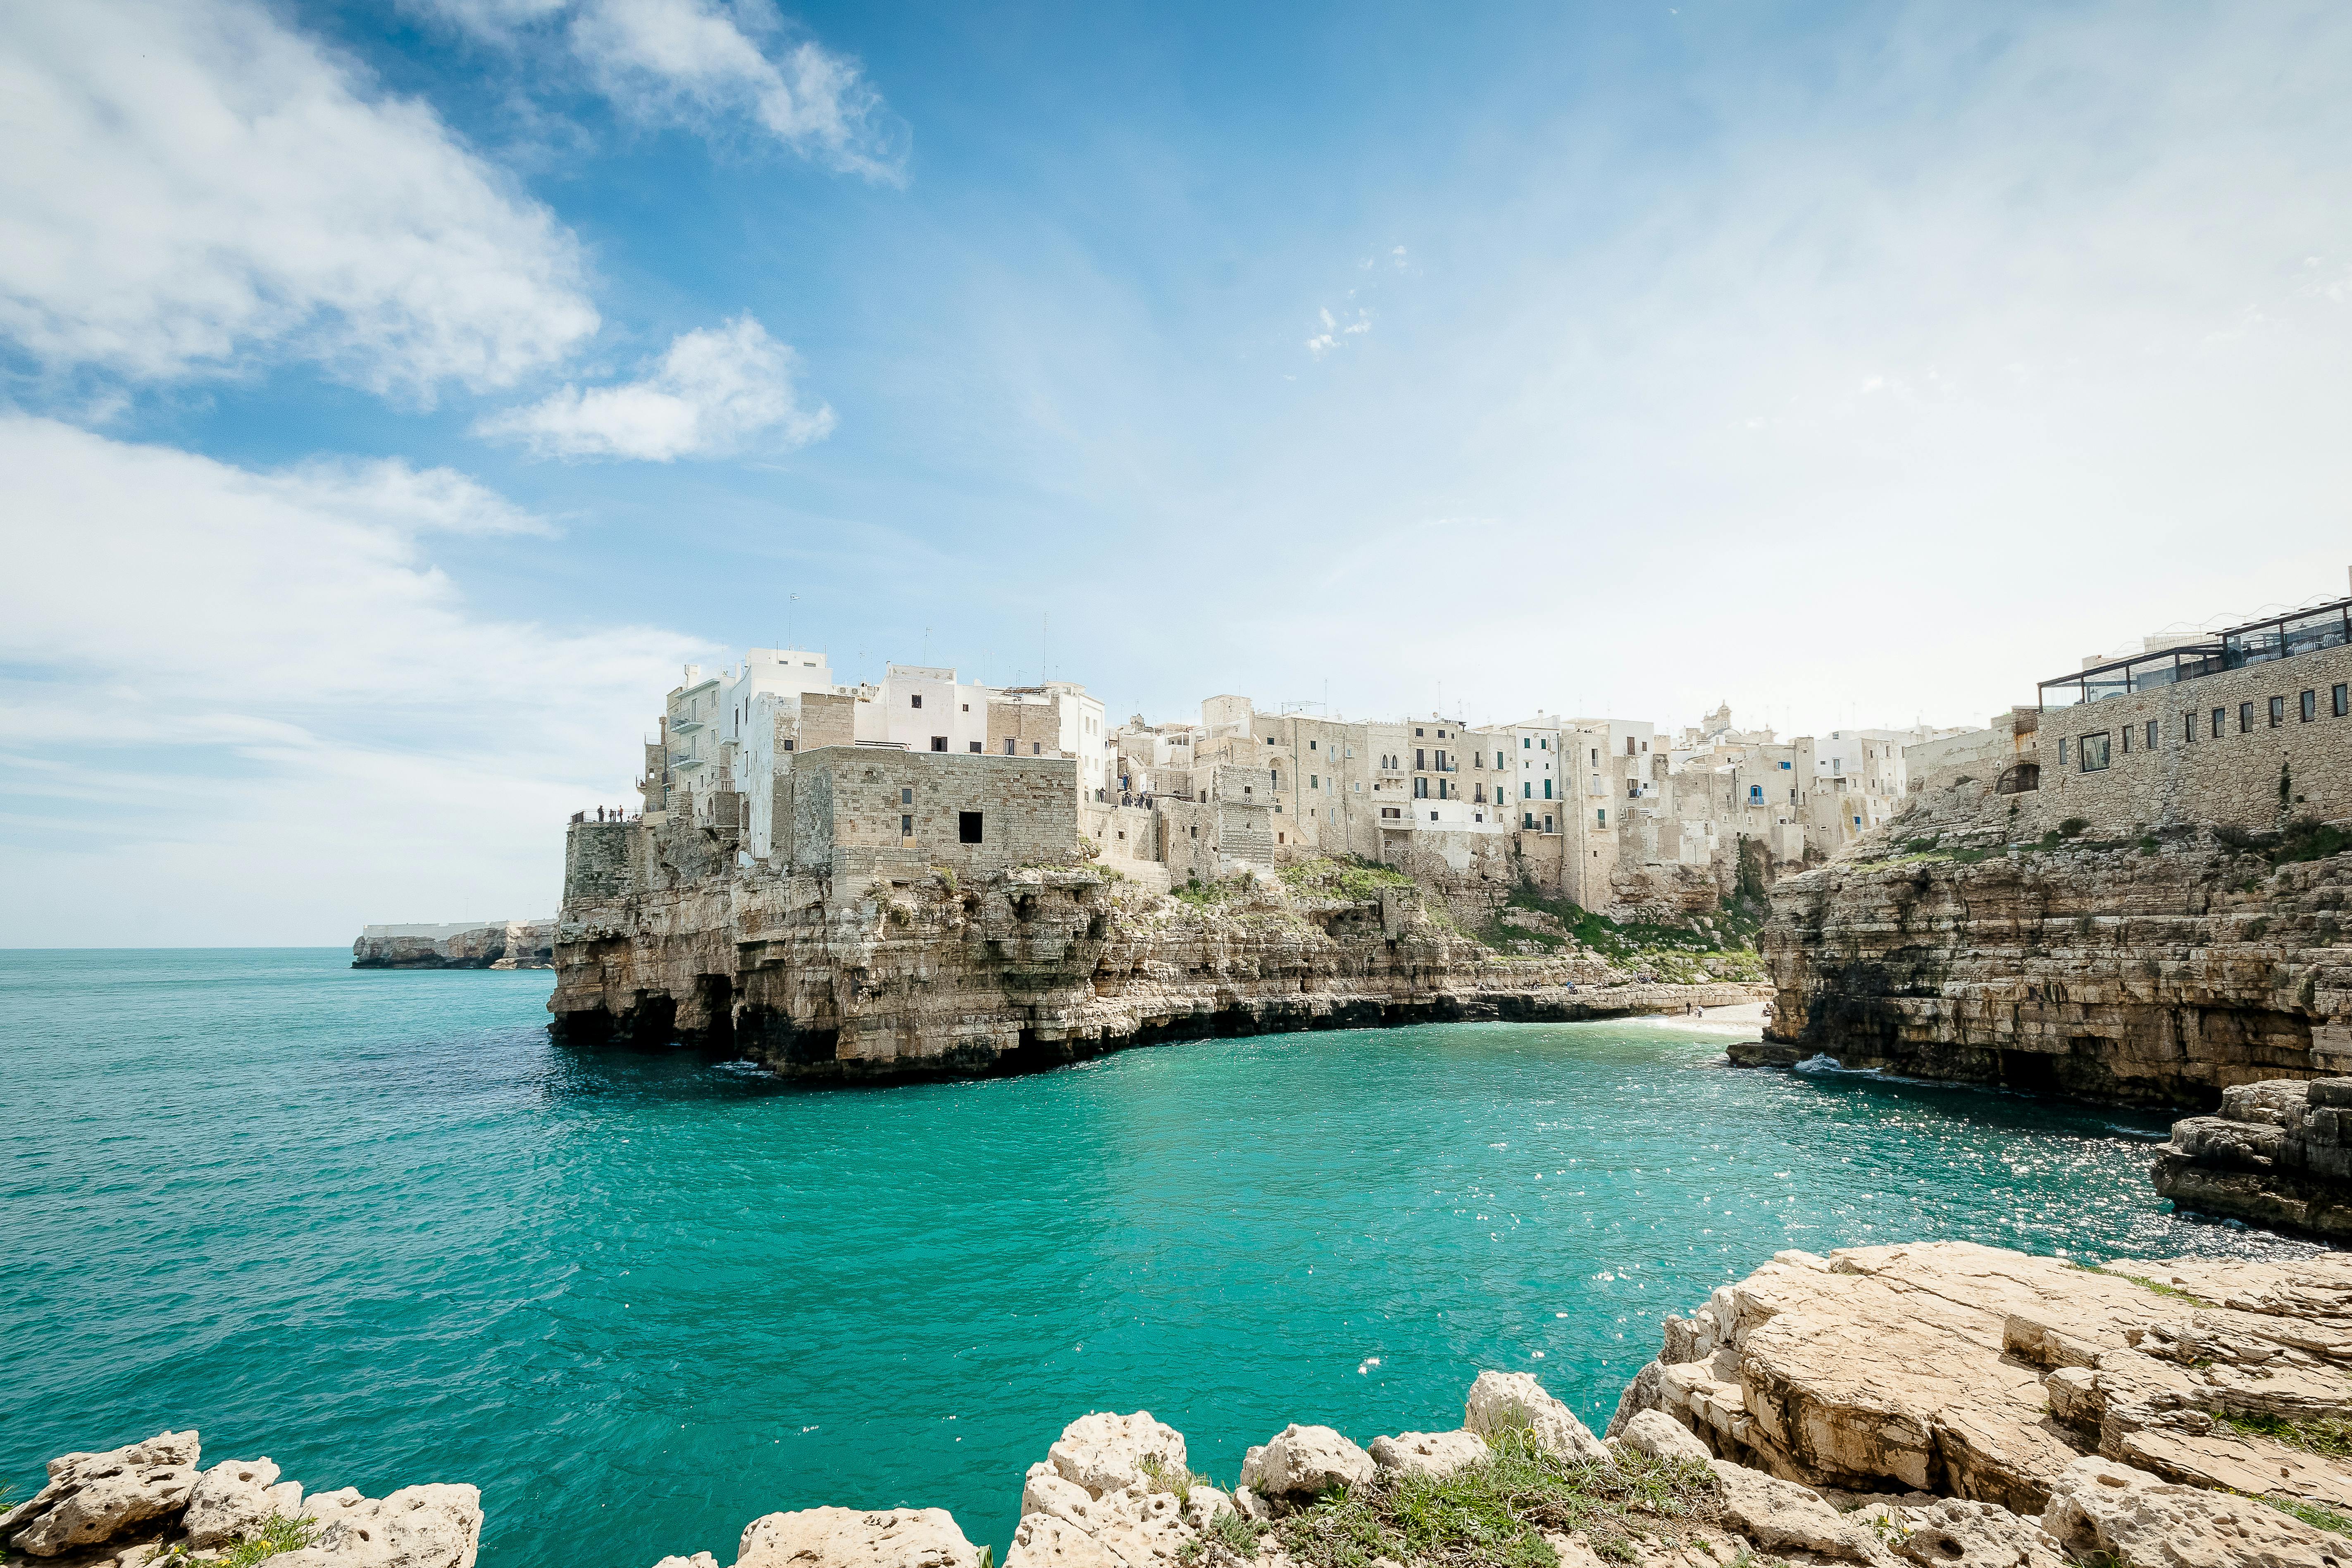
(393, 395)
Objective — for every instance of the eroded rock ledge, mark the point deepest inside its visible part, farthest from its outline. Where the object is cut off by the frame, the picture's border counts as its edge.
(928, 975)
(2132, 1403)
(2278, 1154)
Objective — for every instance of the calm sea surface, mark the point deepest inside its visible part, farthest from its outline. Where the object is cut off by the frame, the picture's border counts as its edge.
(378, 1227)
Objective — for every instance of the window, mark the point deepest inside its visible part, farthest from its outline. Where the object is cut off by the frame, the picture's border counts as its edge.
(2152, 742)
(2245, 718)
(2061, 748)
(2218, 713)
(967, 827)
(915, 700)
(1036, 748)
(1629, 745)
(1420, 757)
(788, 746)
(1784, 767)
(2127, 735)
(1603, 813)
(967, 708)
(1527, 792)
(1528, 820)
(1421, 789)
(1525, 743)
(1547, 789)
(1416, 734)
(2308, 706)
(1009, 746)
(1547, 825)
(975, 745)
(1310, 745)
(1543, 745)
(906, 827)
(1756, 795)
(1314, 781)
(1596, 756)
(2278, 711)
(906, 797)
(2093, 751)
(2343, 700)
(939, 743)
(1478, 795)
(1432, 816)
(1498, 759)
(2188, 728)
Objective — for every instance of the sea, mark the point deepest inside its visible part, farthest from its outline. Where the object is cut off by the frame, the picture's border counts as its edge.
(381, 1228)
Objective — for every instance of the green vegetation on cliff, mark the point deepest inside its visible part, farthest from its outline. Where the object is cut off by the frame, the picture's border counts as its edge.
(1495, 1514)
(1353, 878)
(1723, 947)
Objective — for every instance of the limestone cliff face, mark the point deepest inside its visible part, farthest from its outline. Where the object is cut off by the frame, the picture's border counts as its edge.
(2155, 972)
(887, 975)
(2279, 1153)
(495, 944)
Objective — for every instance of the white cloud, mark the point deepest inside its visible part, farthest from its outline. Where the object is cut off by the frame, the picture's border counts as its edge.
(702, 63)
(716, 391)
(187, 185)
(245, 707)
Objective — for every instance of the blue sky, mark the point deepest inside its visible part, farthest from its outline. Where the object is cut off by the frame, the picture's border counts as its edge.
(395, 395)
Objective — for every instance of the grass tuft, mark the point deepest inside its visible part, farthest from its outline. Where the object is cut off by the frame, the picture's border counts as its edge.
(1353, 878)
(1230, 1533)
(2312, 1515)
(280, 1535)
(1492, 1514)
(1176, 1481)
(2326, 1434)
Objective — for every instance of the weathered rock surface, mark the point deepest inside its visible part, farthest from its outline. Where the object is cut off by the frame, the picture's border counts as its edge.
(128, 1506)
(489, 944)
(92, 1498)
(1955, 1533)
(1978, 1373)
(1428, 1453)
(2156, 977)
(897, 974)
(2277, 1154)
(1106, 1493)
(1501, 1400)
(1782, 1516)
(857, 1538)
(1659, 1435)
(1304, 1462)
(2141, 1522)
(433, 1526)
(235, 1499)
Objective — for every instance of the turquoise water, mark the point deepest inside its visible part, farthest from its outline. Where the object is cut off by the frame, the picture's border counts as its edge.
(377, 1226)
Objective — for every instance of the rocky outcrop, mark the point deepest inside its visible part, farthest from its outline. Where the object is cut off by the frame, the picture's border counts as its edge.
(2278, 1154)
(855, 1538)
(131, 1506)
(2031, 1383)
(2156, 972)
(901, 976)
(490, 945)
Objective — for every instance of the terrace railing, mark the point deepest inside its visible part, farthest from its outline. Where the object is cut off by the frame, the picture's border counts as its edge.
(2257, 642)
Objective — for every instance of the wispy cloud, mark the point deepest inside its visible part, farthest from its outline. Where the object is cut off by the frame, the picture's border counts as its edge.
(709, 63)
(191, 187)
(306, 725)
(716, 392)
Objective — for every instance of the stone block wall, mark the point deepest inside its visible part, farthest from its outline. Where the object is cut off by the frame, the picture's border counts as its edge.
(600, 861)
(2230, 778)
(868, 799)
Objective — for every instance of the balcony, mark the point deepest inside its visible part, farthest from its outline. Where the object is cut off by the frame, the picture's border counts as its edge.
(2256, 642)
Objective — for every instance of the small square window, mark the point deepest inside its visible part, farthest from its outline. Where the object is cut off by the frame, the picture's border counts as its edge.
(975, 745)
(916, 699)
(967, 827)
(939, 743)
(2093, 751)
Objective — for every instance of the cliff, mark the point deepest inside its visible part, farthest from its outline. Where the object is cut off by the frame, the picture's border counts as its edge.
(2154, 971)
(870, 973)
(491, 944)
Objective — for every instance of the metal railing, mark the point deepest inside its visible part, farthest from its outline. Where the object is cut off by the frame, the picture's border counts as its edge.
(2240, 648)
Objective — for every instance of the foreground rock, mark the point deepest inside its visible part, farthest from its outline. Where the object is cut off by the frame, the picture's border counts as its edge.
(852, 1538)
(1984, 1374)
(2278, 1154)
(130, 1505)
